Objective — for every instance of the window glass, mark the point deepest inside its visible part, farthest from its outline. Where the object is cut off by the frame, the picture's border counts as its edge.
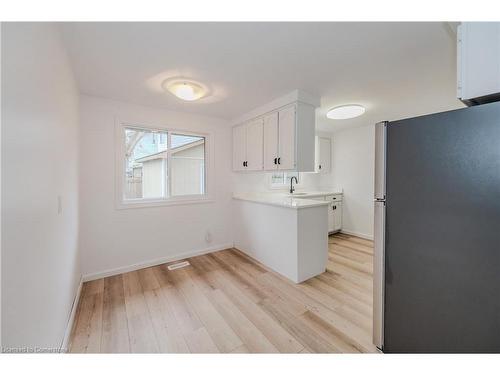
(187, 165)
(145, 164)
(160, 165)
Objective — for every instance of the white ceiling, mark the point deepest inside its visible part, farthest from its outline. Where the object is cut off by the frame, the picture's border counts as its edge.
(395, 69)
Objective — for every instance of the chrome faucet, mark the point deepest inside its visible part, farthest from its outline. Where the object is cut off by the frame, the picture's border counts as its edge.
(292, 189)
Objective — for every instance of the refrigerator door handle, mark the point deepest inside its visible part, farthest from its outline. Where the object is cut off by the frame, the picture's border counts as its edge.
(380, 157)
(379, 275)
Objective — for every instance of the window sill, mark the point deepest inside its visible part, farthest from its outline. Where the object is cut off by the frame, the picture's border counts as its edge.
(145, 203)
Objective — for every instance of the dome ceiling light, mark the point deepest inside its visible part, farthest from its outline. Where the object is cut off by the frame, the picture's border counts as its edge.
(185, 89)
(344, 112)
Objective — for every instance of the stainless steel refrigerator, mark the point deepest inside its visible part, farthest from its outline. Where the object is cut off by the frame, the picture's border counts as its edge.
(437, 233)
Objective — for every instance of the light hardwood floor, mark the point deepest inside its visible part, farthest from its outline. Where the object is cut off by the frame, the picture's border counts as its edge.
(226, 302)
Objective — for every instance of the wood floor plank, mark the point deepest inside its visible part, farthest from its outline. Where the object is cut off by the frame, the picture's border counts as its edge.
(297, 328)
(342, 342)
(114, 317)
(366, 268)
(222, 334)
(199, 341)
(166, 328)
(141, 333)
(88, 328)
(254, 340)
(355, 239)
(353, 246)
(264, 282)
(341, 297)
(222, 280)
(184, 314)
(93, 286)
(228, 302)
(251, 277)
(240, 349)
(148, 279)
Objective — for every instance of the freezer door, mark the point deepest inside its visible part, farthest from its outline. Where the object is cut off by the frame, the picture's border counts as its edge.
(378, 275)
(380, 156)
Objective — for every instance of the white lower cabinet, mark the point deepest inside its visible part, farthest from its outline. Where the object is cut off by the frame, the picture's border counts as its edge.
(334, 216)
(334, 211)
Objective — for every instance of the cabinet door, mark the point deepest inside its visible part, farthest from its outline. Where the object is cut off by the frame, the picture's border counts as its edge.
(331, 218)
(337, 223)
(271, 141)
(239, 147)
(324, 154)
(286, 136)
(255, 145)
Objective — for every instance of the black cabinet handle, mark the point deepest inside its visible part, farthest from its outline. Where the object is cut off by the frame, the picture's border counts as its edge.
(279, 159)
(243, 163)
(275, 160)
(320, 166)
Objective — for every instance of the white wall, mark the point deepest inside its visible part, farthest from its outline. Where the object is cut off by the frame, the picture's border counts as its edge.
(353, 170)
(40, 261)
(112, 238)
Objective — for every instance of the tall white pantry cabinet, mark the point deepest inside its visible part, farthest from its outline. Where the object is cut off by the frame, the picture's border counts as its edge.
(279, 139)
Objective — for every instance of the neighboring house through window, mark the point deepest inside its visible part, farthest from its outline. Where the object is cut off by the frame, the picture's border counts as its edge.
(161, 165)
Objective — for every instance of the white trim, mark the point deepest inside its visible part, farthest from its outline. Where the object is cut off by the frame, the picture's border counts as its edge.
(143, 203)
(154, 262)
(69, 326)
(357, 234)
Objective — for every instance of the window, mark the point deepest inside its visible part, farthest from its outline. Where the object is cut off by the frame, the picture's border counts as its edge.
(282, 179)
(161, 165)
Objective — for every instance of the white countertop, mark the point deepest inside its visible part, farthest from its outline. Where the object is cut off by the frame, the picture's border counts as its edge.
(313, 193)
(284, 199)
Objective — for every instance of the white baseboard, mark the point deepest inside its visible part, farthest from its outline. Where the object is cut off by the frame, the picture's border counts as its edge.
(357, 234)
(69, 326)
(154, 262)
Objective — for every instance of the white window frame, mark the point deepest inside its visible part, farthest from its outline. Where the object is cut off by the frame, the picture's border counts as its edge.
(121, 203)
(284, 186)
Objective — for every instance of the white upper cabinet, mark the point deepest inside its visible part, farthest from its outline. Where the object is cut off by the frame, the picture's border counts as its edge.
(254, 145)
(239, 148)
(323, 154)
(278, 136)
(271, 141)
(478, 62)
(248, 146)
(286, 138)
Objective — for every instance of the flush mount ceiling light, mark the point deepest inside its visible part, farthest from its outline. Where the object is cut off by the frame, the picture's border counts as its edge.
(344, 112)
(185, 89)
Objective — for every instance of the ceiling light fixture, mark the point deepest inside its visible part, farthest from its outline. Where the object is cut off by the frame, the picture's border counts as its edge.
(344, 112)
(185, 89)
